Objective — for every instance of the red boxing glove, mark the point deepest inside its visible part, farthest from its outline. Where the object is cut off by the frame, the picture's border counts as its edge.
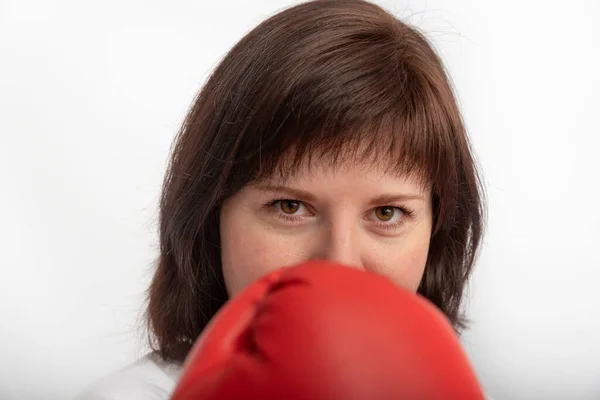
(321, 331)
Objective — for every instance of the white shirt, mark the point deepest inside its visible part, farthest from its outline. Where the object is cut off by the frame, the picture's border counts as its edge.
(149, 378)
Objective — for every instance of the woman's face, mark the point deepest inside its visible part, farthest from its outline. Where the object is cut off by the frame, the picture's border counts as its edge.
(365, 218)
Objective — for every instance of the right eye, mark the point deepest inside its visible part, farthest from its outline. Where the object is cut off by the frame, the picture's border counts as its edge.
(289, 207)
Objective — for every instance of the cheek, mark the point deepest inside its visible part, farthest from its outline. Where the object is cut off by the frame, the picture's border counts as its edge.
(249, 251)
(415, 267)
(241, 257)
(406, 267)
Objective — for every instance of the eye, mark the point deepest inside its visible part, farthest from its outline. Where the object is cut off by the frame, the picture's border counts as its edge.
(289, 206)
(390, 218)
(385, 214)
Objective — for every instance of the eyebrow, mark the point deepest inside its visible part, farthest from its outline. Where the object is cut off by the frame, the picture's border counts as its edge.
(307, 196)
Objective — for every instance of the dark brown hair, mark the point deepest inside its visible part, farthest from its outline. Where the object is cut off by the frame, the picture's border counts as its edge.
(320, 80)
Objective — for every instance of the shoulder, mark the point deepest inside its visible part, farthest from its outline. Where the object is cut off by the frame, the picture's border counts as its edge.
(146, 379)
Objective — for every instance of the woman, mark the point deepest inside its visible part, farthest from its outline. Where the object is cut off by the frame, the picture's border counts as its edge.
(329, 131)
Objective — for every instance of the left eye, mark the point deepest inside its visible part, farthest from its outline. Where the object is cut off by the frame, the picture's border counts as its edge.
(387, 213)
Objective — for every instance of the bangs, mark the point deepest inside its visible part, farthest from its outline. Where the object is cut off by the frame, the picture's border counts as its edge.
(405, 137)
(388, 145)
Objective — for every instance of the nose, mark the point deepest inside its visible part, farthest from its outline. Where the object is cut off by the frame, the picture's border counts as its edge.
(340, 244)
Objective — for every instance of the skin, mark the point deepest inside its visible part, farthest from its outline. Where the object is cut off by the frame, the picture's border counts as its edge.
(351, 215)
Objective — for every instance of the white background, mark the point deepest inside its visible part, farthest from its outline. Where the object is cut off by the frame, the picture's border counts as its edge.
(92, 93)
